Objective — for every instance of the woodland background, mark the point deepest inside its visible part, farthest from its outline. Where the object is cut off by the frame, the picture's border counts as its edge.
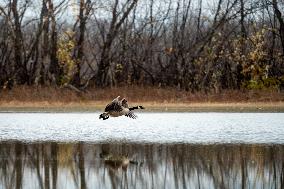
(192, 45)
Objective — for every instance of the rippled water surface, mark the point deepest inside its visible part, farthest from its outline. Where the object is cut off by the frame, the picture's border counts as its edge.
(148, 128)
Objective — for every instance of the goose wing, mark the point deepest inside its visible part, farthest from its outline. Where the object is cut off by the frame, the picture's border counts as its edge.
(115, 105)
(124, 103)
(130, 114)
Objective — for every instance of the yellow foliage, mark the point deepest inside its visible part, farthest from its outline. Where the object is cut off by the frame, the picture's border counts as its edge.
(250, 52)
(66, 46)
(119, 68)
(169, 51)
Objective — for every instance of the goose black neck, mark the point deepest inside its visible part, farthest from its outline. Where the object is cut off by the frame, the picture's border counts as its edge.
(136, 107)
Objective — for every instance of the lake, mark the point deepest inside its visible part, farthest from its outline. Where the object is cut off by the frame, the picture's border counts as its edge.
(157, 150)
(148, 128)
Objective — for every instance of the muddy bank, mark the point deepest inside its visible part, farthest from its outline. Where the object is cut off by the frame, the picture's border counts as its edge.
(94, 106)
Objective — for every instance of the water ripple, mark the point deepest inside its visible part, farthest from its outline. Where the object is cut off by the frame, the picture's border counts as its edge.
(149, 127)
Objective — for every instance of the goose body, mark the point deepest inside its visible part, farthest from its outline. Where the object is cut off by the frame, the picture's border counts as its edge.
(119, 108)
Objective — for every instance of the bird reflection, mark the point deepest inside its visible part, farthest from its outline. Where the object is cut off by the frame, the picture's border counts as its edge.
(80, 165)
(115, 161)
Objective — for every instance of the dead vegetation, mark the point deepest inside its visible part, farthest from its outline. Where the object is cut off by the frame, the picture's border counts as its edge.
(151, 95)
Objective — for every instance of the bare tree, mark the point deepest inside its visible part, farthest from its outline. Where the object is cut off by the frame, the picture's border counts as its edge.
(84, 13)
(102, 78)
(21, 70)
(159, 43)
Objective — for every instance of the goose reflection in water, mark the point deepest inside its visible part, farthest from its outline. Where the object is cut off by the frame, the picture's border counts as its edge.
(81, 165)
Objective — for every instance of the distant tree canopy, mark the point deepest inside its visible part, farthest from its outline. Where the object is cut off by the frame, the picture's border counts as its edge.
(188, 44)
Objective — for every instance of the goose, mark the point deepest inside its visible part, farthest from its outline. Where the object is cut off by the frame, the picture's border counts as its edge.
(119, 108)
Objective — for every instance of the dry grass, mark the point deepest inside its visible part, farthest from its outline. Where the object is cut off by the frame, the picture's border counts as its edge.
(134, 93)
(153, 98)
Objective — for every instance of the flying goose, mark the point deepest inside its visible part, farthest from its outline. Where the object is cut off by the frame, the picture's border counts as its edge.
(119, 108)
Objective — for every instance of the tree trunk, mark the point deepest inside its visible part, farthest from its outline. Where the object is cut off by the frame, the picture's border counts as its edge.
(45, 58)
(198, 34)
(281, 22)
(243, 28)
(54, 68)
(21, 71)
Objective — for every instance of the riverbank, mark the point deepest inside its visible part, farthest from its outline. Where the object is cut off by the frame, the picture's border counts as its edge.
(51, 99)
(93, 106)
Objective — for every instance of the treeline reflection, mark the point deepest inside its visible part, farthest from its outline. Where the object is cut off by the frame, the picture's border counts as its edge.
(81, 165)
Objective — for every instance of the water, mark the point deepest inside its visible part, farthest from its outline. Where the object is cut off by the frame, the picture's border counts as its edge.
(148, 128)
(158, 150)
(78, 165)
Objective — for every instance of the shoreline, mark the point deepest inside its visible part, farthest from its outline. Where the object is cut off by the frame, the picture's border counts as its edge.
(52, 99)
(98, 106)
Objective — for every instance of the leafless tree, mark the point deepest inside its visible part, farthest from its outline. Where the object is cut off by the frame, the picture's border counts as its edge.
(186, 44)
